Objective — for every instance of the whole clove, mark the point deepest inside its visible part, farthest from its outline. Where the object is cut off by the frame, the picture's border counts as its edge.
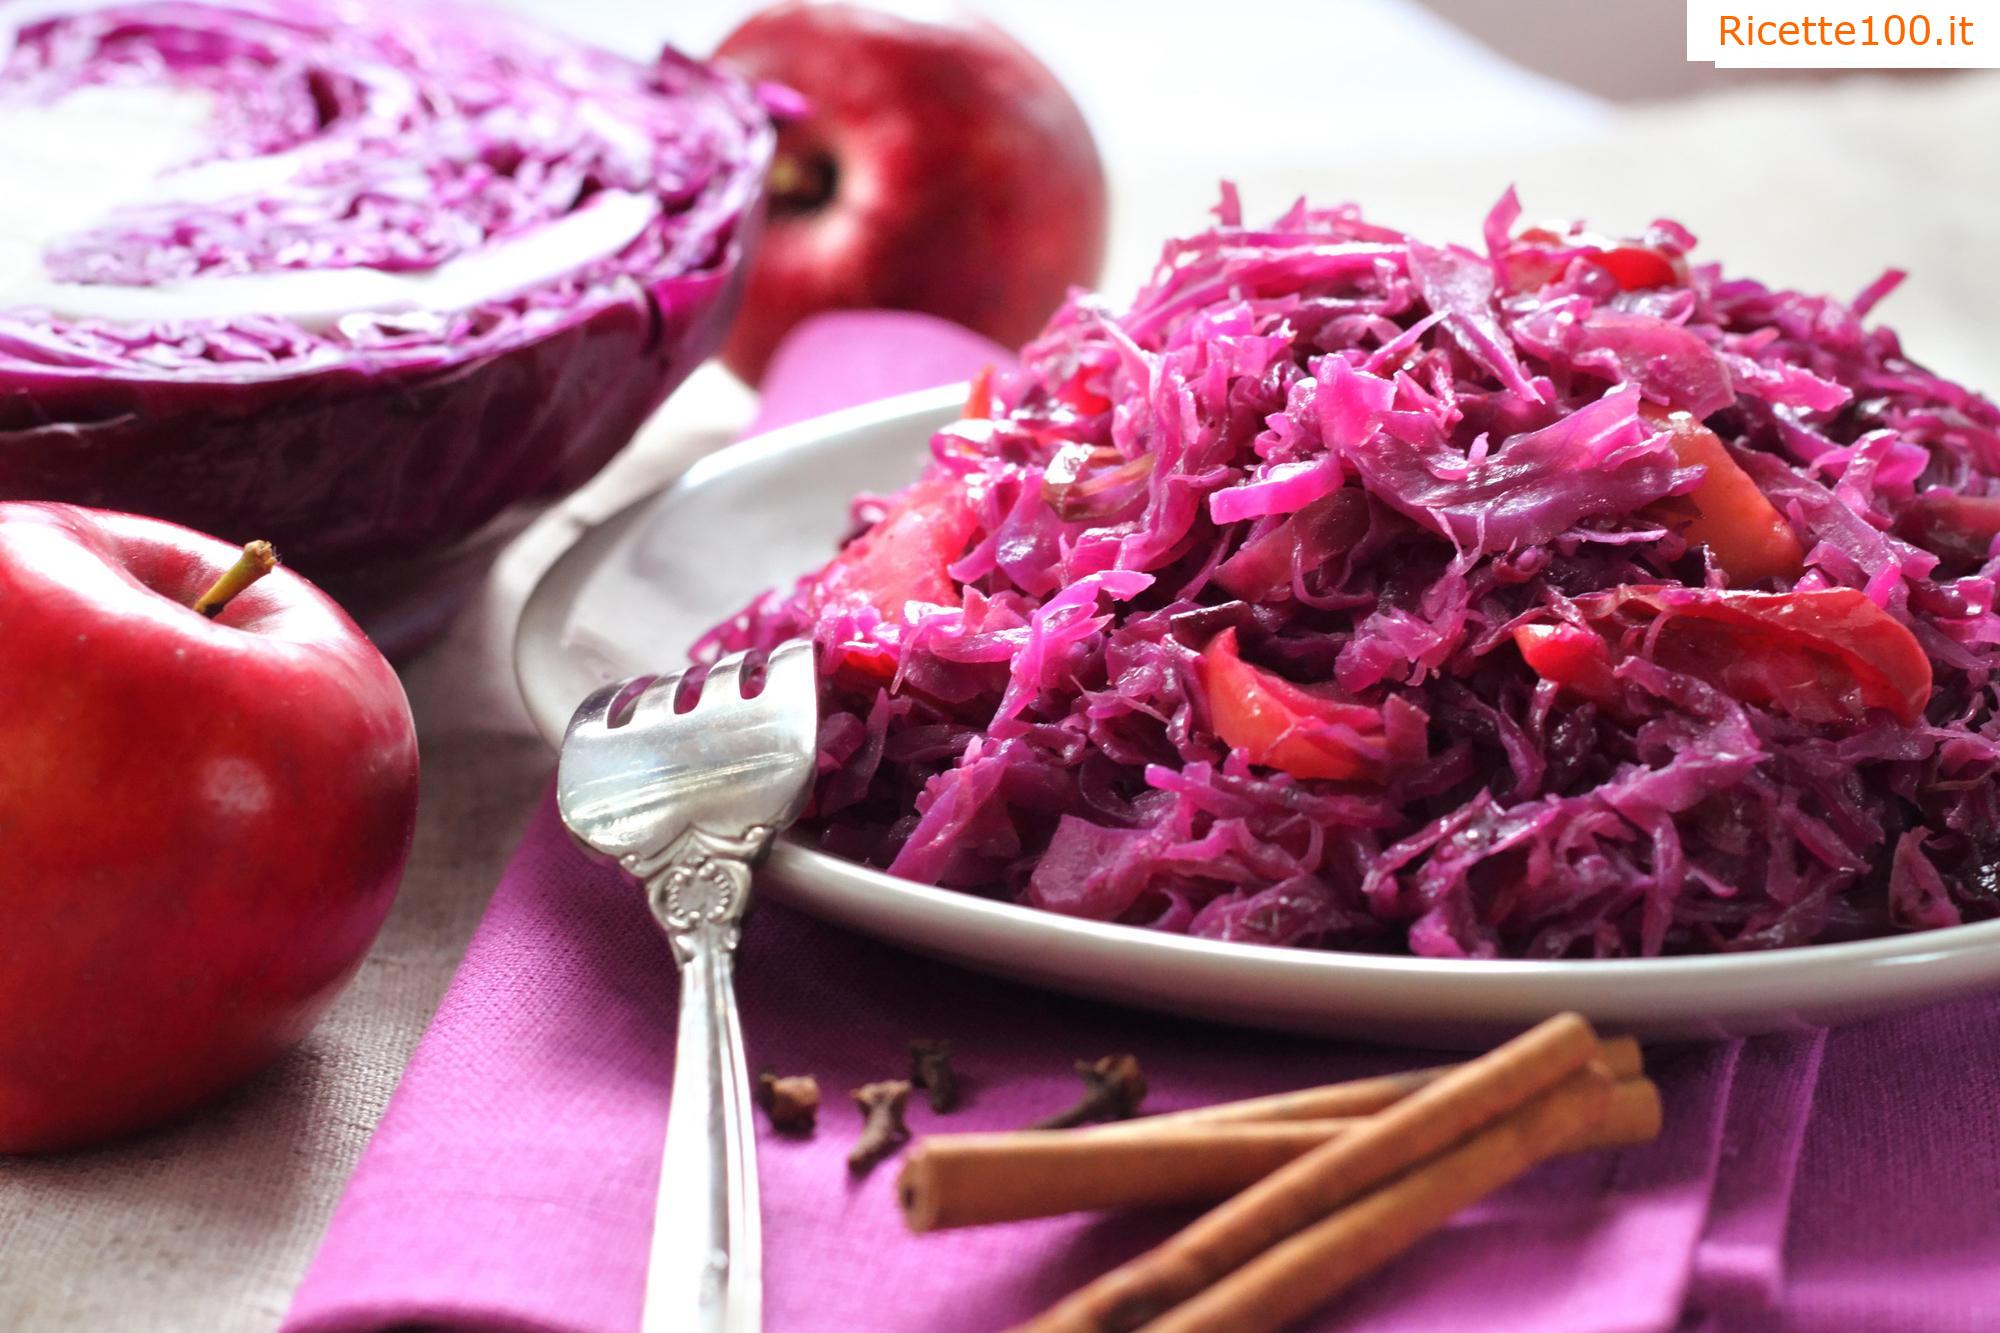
(1113, 1087)
(882, 1129)
(930, 1069)
(791, 1103)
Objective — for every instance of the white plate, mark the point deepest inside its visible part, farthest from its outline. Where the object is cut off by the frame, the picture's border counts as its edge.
(635, 592)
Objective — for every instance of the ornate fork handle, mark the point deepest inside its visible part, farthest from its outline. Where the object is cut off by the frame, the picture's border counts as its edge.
(706, 1272)
(702, 879)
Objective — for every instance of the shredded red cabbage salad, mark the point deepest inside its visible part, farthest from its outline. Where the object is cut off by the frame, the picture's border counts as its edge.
(1566, 600)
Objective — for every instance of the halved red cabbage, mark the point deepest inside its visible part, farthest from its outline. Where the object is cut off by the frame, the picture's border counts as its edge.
(1431, 517)
(352, 276)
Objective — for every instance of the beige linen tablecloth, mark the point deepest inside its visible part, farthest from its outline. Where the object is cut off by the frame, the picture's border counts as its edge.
(208, 1225)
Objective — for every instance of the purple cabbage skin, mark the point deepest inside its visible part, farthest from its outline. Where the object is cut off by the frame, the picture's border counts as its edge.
(1486, 431)
(429, 133)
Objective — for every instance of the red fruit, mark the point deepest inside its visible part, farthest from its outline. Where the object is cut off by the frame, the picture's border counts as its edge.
(1742, 529)
(940, 168)
(204, 819)
(1637, 267)
(1543, 256)
(1575, 658)
(1286, 726)
(906, 556)
(1960, 526)
(1825, 655)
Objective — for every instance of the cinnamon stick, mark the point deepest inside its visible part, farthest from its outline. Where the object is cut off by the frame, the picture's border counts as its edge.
(1620, 1057)
(1300, 1193)
(1291, 1278)
(960, 1180)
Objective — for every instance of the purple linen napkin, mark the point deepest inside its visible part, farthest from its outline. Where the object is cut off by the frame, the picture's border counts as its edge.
(1895, 1221)
(511, 1181)
(1739, 1264)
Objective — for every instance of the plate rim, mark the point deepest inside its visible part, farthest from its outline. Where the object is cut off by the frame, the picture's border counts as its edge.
(792, 858)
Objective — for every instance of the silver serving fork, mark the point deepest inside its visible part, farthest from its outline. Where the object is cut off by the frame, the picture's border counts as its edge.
(687, 802)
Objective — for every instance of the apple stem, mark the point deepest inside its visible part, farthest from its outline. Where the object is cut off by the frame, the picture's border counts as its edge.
(257, 560)
(799, 184)
(786, 177)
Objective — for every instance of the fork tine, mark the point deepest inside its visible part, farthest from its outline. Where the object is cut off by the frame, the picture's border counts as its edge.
(724, 682)
(727, 763)
(789, 674)
(655, 704)
(592, 711)
(596, 711)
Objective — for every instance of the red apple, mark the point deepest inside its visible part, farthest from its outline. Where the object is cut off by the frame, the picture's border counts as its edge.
(202, 821)
(938, 167)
